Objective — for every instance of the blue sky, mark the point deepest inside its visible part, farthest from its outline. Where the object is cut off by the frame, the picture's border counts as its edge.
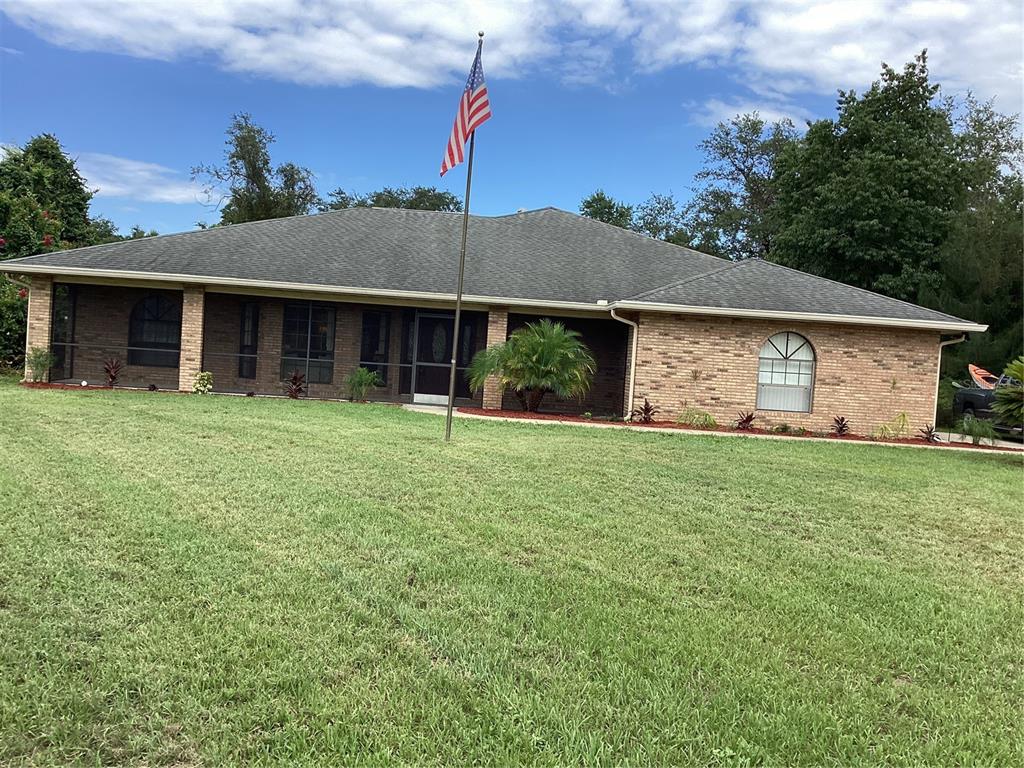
(606, 93)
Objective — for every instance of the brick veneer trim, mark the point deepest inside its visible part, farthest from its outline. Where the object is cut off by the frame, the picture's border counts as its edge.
(497, 333)
(40, 316)
(191, 359)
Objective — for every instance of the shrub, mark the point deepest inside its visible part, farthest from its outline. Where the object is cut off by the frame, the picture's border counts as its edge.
(538, 358)
(1009, 398)
(896, 429)
(782, 429)
(295, 387)
(38, 362)
(840, 426)
(587, 415)
(928, 434)
(644, 414)
(977, 430)
(112, 368)
(693, 417)
(203, 384)
(745, 422)
(360, 381)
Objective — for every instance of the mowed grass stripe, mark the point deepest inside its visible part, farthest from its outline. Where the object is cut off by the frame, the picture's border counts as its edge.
(225, 580)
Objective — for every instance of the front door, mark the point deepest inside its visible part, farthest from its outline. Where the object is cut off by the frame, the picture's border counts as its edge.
(432, 364)
(433, 358)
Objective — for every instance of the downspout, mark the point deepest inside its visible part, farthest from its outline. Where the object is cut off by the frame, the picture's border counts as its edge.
(938, 368)
(632, 357)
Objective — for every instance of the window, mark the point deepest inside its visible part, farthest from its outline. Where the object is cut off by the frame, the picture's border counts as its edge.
(154, 333)
(785, 373)
(308, 342)
(373, 349)
(248, 340)
(62, 331)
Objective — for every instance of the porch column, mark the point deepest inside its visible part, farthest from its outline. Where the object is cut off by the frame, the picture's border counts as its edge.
(40, 315)
(191, 358)
(497, 332)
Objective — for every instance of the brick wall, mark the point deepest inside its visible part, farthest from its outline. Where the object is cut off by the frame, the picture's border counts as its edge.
(40, 313)
(222, 335)
(101, 323)
(869, 375)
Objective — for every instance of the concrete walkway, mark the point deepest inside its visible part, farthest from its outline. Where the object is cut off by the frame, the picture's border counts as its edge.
(439, 410)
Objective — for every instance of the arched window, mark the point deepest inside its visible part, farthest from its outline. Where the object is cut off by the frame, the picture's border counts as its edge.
(785, 373)
(154, 332)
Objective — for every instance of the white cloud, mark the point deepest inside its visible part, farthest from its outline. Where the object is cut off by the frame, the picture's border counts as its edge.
(115, 176)
(786, 46)
(714, 111)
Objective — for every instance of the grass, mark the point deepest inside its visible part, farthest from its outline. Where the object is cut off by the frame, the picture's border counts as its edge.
(193, 580)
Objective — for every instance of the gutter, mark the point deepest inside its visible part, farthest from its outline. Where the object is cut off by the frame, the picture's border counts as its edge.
(891, 322)
(632, 356)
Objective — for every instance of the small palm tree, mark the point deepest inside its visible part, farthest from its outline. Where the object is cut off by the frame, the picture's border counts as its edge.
(1009, 398)
(538, 358)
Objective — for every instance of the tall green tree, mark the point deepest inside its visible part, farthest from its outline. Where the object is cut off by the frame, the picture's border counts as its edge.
(870, 197)
(248, 186)
(730, 214)
(661, 217)
(600, 206)
(44, 206)
(416, 198)
(980, 262)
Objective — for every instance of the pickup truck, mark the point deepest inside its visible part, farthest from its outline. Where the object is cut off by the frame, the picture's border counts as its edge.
(977, 402)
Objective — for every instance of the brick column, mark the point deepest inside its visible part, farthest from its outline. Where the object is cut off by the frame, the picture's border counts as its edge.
(191, 359)
(497, 332)
(40, 315)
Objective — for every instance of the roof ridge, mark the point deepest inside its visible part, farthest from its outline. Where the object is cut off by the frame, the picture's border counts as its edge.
(684, 281)
(633, 232)
(857, 288)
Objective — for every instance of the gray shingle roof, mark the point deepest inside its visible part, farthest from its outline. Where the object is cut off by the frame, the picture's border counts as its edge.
(761, 285)
(545, 255)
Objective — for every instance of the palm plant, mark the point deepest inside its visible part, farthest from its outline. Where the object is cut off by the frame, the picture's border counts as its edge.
(538, 358)
(1008, 405)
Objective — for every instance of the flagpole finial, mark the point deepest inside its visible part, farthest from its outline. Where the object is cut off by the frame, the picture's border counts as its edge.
(480, 34)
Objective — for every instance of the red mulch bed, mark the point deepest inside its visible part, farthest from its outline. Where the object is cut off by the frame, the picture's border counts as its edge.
(755, 431)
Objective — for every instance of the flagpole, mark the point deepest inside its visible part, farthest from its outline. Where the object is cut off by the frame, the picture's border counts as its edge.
(462, 270)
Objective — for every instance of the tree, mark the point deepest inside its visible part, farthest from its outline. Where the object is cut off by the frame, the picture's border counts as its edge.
(44, 206)
(252, 188)
(730, 213)
(538, 358)
(869, 198)
(980, 262)
(660, 217)
(43, 172)
(415, 198)
(604, 208)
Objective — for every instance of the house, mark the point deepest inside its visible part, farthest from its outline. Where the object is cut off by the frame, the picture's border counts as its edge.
(374, 287)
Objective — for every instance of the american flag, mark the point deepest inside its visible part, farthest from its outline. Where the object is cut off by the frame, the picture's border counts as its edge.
(474, 110)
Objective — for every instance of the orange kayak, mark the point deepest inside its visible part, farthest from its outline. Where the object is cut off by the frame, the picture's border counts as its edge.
(982, 378)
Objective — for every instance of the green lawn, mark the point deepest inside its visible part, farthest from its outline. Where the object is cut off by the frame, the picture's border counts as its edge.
(209, 580)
